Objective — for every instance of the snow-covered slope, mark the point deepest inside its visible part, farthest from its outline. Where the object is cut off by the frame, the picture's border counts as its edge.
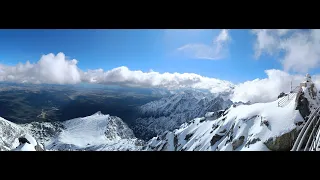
(43, 131)
(25, 147)
(28, 146)
(169, 113)
(95, 132)
(246, 127)
(9, 134)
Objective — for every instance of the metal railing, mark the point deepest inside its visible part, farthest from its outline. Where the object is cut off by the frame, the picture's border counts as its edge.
(283, 101)
(315, 142)
(306, 140)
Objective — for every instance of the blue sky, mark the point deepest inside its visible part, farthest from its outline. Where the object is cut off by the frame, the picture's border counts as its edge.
(139, 50)
(169, 59)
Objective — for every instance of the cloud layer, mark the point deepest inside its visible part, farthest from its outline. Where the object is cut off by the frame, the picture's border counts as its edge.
(300, 48)
(126, 77)
(50, 68)
(217, 50)
(268, 89)
(59, 70)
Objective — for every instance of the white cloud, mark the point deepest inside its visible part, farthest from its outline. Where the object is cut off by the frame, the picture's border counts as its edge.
(301, 48)
(58, 70)
(126, 77)
(223, 36)
(49, 69)
(268, 89)
(201, 51)
(217, 50)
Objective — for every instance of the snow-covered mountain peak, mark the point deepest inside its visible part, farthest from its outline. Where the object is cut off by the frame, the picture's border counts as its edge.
(245, 126)
(98, 114)
(98, 131)
(170, 112)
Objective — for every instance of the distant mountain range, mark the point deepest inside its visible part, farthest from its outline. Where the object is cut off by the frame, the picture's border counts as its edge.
(242, 127)
(219, 126)
(170, 112)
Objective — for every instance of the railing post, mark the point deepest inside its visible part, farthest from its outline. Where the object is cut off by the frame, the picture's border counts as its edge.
(302, 134)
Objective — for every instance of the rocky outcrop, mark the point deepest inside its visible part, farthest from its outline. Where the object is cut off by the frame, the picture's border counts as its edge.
(38, 148)
(303, 106)
(23, 140)
(215, 139)
(282, 143)
(27, 139)
(117, 128)
(238, 142)
(253, 141)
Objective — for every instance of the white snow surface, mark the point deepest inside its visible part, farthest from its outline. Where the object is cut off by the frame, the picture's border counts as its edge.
(242, 121)
(31, 139)
(25, 147)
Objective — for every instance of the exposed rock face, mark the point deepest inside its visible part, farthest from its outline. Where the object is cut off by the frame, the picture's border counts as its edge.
(23, 140)
(215, 139)
(283, 142)
(28, 143)
(308, 99)
(303, 106)
(238, 142)
(214, 115)
(38, 148)
(253, 141)
(117, 128)
(313, 91)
